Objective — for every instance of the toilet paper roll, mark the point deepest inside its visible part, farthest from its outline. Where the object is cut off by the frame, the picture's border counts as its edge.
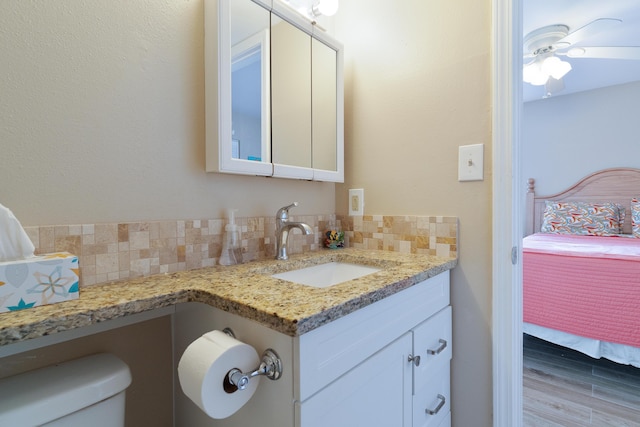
(203, 368)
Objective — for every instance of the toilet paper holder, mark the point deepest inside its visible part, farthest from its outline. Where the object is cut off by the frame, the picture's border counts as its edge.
(270, 367)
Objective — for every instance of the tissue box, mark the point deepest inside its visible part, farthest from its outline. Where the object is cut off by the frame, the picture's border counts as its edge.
(41, 280)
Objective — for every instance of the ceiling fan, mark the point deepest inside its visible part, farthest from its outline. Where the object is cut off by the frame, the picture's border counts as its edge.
(544, 47)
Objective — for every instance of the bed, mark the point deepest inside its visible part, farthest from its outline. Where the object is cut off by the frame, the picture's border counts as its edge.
(581, 289)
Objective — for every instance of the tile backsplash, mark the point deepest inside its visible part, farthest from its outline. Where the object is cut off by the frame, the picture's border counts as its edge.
(431, 235)
(117, 251)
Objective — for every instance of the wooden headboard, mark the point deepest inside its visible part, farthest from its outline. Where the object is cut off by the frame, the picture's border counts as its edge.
(618, 185)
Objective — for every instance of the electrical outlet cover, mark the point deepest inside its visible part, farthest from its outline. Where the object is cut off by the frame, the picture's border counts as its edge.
(356, 202)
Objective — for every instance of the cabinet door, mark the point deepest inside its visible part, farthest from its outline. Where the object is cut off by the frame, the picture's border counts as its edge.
(236, 59)
(324, 102)
(375, 393)
(290, 100)
(432, 404)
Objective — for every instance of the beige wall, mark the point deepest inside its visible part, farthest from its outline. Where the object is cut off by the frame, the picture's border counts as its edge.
(102, 118)
(417, 86)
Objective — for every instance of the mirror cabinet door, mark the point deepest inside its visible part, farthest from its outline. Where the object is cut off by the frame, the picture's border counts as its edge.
(237, 87)
(290, 99)
(324, 100)
(250, 81)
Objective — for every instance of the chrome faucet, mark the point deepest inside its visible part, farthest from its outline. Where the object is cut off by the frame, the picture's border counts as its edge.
(282, 230)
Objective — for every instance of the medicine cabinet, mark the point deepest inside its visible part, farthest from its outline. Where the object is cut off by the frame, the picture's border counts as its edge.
(274, 93)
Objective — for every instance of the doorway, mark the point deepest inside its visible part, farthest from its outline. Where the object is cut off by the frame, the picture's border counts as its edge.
(507, 209)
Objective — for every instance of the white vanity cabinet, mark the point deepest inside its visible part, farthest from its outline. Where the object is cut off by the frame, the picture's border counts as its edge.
(359, 370)
(364, 365)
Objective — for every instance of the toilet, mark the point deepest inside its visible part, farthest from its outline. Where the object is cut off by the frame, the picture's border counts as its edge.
(79, 393)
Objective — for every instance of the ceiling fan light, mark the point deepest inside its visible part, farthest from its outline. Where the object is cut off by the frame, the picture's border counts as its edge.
(562, 69)
(530, 71)
(533, 74)
(550, 64)
(555, 67)
(540, 79)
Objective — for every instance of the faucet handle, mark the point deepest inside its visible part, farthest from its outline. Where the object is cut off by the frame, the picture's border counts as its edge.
(283, 212)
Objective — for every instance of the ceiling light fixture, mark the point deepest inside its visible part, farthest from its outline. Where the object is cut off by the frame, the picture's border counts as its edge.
(324, 7)
(538, 72)
(312, 9)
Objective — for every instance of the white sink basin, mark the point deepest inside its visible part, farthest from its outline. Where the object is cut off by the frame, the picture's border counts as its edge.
(325, 275)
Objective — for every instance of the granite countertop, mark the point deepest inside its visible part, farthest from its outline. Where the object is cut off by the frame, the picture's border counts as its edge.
(247, 290)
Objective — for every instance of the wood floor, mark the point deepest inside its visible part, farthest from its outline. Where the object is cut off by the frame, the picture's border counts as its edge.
(566, 388)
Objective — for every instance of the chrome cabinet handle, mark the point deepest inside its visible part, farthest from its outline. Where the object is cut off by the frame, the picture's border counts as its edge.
(443, 345)
(443, 400)
(414, 359)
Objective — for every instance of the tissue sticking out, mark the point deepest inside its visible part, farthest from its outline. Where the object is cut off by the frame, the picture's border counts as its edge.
(14, 242)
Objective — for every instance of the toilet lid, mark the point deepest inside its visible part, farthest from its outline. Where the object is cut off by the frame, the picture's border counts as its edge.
(46, 394)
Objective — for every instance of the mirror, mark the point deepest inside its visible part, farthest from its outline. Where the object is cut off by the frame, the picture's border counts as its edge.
(291, 94)
(324, 89)
(273, 93)
(235, 147)
(250, 134)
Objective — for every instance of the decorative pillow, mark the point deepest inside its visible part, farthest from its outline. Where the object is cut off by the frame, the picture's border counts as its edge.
(622, 217)
(635, 216)
(583, 218)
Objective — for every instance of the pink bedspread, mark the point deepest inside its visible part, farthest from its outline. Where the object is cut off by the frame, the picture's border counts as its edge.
(584, 285)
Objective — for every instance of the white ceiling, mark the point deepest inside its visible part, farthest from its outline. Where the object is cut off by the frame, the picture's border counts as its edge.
(588, 73)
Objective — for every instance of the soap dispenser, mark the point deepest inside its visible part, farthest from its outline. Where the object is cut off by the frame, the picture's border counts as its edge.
(231, 250)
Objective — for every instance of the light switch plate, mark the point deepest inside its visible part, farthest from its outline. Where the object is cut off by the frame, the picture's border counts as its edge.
(471, 162)
(356, 201)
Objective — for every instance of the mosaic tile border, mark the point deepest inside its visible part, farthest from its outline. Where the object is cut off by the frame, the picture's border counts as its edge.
(431, 235)
(117, 251)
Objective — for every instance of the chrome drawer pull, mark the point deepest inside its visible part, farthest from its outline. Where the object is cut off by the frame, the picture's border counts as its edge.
(414, 359)
(443, 400)
(443, 345)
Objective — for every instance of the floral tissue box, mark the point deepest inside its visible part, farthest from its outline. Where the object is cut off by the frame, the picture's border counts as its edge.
(41, 280)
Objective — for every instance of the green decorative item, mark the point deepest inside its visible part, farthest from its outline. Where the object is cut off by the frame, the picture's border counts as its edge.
(334, 239)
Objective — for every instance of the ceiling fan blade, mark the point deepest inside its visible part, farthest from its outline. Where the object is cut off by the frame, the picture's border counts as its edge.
(611, 52)
(591, 29)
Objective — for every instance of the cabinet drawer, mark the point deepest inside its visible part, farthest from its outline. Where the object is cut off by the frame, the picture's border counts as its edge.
(432, 404)
(432, 342)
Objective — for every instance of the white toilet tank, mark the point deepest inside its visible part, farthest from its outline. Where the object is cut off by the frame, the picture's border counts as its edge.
(78, 393)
